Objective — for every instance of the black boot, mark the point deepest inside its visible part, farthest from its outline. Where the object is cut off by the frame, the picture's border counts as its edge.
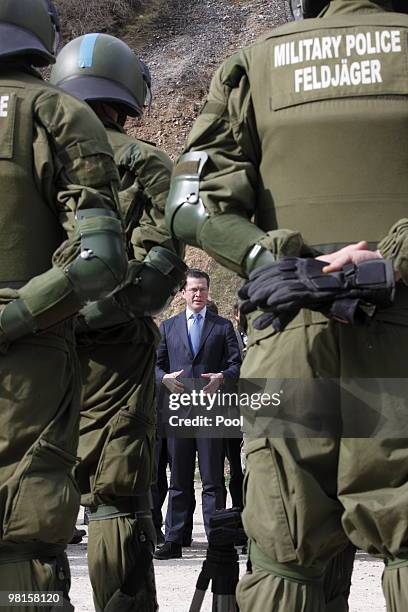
(77, 536)
(170, 550)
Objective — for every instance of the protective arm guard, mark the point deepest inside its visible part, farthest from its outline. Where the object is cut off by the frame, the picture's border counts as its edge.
(395, 246)
(185, 211)
(230, 238)
(59, 293)
(102, 263)
(148, 289)
(188, 220)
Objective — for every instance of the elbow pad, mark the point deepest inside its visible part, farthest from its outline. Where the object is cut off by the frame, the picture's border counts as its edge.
(185, 212)
(101, 265)
(151, 286)
(188, 220)
(58, 294)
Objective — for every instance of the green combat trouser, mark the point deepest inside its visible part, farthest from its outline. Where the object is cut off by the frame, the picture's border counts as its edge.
(39, 499)
(117, 432)
(120, 562)
(43, 575)
(308, 497)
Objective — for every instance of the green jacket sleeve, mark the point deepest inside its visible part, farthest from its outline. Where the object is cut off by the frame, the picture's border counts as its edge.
(74, 162)
(226, 131)
(151, 171)
(395, 246)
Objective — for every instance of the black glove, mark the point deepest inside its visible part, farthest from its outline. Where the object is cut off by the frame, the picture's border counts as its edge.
(283, 288)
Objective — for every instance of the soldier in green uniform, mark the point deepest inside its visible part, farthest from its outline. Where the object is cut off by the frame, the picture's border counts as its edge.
(117, 336)
(61, 245)
(305, 130)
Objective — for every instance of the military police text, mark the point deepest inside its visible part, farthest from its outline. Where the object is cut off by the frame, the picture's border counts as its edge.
(342, 47)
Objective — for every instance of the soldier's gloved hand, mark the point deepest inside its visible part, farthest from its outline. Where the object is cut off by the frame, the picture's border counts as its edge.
(278, 322)
(284, 287)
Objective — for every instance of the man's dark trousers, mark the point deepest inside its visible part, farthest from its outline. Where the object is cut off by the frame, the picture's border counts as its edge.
(211, 463)
(160, 485)
(232, 447)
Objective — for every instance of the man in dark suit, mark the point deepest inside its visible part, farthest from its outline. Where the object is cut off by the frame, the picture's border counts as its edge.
(195, 344)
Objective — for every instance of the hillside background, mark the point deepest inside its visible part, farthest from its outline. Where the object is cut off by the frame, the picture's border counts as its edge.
(183, 42)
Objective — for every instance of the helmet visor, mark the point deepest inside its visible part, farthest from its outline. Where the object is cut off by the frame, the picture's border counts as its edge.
(15, 41)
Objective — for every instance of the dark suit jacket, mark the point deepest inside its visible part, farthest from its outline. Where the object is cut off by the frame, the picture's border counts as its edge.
(218, 352)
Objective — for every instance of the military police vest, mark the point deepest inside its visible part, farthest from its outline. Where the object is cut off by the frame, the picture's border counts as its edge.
(331, 103)
(30, 230)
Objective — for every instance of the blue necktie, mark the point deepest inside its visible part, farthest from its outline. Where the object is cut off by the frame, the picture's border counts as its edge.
(195, 333)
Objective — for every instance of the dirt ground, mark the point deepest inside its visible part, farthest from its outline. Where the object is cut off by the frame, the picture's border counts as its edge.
(176, 579)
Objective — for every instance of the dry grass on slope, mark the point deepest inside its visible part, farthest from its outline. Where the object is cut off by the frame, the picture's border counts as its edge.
(108, 16)
(112, 16)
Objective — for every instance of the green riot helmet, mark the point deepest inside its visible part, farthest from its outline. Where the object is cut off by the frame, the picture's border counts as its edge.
(100, 67)
(304, 9)
(29, 30)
